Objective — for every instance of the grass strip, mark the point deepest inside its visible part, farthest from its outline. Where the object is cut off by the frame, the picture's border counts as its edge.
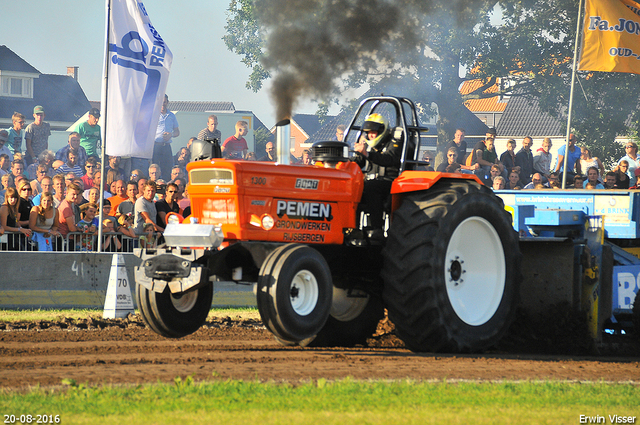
(53, 315)
(339, 402)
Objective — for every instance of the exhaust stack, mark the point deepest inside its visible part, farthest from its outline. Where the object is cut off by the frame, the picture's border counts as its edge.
(283, 141)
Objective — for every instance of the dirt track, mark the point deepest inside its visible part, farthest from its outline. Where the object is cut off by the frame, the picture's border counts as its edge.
(123, 351)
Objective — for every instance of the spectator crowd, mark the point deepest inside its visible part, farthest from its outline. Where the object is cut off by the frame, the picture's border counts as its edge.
(49, 201)
(522, 169)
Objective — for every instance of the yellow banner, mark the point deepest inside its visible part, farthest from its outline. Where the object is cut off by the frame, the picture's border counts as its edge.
(611, 41)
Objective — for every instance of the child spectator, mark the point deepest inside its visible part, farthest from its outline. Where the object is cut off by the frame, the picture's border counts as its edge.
(148, 238)
(111, 242)
(89, 227)
(16, 134)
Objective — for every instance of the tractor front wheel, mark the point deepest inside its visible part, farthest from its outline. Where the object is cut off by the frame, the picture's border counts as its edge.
(175, 315)
(294, 292)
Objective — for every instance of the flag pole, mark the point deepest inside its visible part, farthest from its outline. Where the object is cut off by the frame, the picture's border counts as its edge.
(103, 113)
(573, 81)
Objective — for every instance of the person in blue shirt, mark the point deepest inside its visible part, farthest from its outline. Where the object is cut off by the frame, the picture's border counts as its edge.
(167, 129)
(573, 160)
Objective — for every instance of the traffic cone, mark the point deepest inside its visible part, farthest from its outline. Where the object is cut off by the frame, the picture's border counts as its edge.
(118, 302)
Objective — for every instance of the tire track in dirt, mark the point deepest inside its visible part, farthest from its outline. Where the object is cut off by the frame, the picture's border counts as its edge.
(124, 352)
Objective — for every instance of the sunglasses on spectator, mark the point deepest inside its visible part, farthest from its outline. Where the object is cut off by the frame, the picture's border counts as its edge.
(26, 189)
(134, 175)
(90, 166)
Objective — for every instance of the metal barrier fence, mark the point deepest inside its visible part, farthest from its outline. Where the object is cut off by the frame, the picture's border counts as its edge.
(77, 242)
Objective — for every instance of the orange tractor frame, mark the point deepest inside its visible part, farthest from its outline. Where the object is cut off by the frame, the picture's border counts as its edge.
(448, 271)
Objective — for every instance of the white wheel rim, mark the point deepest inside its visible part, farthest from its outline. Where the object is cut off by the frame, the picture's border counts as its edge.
(304, 292)
(347, 305)
(474, 271)
(185, 302)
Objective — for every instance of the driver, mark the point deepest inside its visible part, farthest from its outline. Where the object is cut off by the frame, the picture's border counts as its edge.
(378, 154)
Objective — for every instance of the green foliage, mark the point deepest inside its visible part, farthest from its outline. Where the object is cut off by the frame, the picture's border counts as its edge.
(322, 112)
(41, 314)
(245, 38)
(415, 49)
(339, 402)
(261, 137)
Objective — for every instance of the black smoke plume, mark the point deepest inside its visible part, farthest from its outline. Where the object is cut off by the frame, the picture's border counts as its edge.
(311, 44)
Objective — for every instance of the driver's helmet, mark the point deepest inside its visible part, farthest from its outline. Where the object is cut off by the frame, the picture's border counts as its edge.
(377, 123)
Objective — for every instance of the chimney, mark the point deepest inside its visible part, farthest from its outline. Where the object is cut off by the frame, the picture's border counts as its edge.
(283, 141)
(72, 71)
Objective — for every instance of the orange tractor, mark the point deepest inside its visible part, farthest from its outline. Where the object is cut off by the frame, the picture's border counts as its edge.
(447, 271)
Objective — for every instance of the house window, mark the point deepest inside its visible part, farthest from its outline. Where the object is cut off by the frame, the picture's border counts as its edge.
(17, 86)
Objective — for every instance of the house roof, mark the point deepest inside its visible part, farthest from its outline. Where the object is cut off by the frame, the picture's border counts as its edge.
(9, 61)
(201, 106)
(523, 117)
(308, 123)
(61, 97)
(491, 104)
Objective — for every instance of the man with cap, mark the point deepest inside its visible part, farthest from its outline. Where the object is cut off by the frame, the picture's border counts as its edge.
(90, 133)
(4, 136)
(37, 135)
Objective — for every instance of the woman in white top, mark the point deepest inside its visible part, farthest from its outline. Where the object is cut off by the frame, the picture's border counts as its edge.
(587, 161)
(44, 222)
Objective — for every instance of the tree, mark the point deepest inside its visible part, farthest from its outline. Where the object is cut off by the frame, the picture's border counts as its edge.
(317, 48)
(261, 136)
(245, 38)
(542, 42)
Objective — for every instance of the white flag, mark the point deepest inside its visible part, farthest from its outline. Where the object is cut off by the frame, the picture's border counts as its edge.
(139, 62)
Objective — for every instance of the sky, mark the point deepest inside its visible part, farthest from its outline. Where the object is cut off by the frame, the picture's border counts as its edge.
(51, 35)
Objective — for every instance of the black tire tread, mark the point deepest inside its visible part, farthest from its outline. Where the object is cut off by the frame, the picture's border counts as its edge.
(415, 305)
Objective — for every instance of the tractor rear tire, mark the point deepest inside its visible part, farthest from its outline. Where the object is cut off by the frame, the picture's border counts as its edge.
(175, 315)
(452, 268)
(294, 292)
(353, 319)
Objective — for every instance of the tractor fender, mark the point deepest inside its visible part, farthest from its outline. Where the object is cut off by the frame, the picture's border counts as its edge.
(414, 181)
